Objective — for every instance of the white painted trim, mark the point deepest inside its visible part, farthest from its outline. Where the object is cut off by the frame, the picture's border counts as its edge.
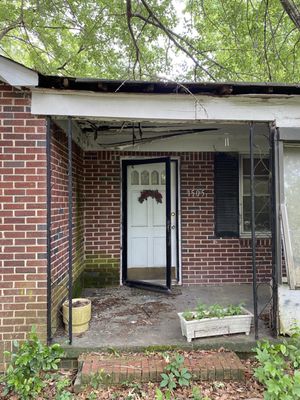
(16, 74)
(171, 107)
(178, 188)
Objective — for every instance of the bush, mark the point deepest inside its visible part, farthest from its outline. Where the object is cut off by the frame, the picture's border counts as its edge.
(24, 375)
(279, 368)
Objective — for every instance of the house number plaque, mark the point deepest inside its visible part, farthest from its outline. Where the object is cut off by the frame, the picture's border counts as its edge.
(197, 192)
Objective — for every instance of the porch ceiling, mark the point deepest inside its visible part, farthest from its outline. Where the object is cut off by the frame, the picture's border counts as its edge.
(93, 134)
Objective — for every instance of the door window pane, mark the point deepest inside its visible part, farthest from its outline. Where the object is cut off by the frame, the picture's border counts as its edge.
(145, 178)
(134, 178)
(154, 178)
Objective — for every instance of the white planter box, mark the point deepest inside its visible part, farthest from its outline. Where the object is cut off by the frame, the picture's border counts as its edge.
(216, 326)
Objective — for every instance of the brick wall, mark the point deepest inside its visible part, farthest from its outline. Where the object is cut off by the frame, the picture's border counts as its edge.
(205, 259)
(59, 226)
(22, 219)
(102, 218)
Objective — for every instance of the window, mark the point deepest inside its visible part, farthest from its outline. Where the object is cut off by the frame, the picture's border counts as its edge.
(233, 198)
(262, 196)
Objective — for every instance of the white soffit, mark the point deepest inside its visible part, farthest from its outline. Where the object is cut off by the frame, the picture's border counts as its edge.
(285, 110)
(16, 74)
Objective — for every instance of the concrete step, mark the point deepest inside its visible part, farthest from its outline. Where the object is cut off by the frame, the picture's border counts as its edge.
(109, 369)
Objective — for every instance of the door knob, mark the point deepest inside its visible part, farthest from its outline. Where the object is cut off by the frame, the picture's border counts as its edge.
(173, 227)
(173, 214)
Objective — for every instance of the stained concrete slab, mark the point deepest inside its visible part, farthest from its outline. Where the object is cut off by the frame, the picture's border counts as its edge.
(128, 318)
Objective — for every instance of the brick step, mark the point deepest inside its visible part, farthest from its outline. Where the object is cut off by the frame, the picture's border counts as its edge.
(220, 366)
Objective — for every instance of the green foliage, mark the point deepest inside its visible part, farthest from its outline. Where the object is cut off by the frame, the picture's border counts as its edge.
(99, 378)
(222, 39)
(197, 395)
(92, 396)
(279, 368)
(64, 395)
(83, 38)
(250, 40)
(114, 351)
(61, 393)
(135, 392)
(159, 395)
(24, 375)
(213, 311)
(175, 374)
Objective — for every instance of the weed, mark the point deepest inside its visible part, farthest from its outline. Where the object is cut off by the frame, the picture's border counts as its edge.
(113, 351)
(197, 395)
(159, 395)
(61, 393)
(99, 378)
(175, 374)
(92, 396)
(279, 368)
(29, 362)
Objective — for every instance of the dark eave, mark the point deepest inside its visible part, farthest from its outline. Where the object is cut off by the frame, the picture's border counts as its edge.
(205, 88)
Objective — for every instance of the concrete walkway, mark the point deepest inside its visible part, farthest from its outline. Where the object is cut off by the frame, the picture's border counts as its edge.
(128, 318)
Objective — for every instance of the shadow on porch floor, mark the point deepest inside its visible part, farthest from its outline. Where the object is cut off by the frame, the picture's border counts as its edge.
(130, 318)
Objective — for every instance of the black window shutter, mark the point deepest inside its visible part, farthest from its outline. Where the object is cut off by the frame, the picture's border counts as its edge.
(226, 194)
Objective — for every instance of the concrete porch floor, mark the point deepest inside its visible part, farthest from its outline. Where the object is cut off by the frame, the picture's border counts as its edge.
(130, 318)
(127, 318)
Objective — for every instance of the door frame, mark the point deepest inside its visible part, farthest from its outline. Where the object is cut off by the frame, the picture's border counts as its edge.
(123, 212)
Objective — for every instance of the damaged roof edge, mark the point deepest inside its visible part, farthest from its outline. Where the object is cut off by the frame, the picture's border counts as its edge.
(18, 75)
(167, 87)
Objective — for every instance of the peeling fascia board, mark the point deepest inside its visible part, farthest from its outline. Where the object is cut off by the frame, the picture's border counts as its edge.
(285, 110)
(16, 74)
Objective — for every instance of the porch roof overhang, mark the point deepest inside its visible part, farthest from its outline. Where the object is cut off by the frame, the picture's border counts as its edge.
(128, 100)
(283, 108)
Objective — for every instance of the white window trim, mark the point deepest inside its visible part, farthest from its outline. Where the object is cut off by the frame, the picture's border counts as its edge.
(262, 234)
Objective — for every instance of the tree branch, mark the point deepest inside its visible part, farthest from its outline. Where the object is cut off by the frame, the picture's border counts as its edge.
(265, 41)
(9, 28)
(292, 10)
(171, 35)
(129, 16)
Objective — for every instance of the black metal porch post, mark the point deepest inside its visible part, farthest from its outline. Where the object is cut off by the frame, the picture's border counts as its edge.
(253, 237)
(70, 223)
(49, 293)
(275, 224)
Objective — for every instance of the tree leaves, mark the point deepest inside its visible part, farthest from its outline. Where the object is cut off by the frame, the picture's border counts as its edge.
(191, 40)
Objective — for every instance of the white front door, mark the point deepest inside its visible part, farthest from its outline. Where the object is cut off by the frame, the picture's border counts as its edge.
(146, 222)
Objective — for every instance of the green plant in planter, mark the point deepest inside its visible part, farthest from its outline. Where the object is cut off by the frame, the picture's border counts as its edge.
(213, 311)
(24, 375)
(279, 368)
